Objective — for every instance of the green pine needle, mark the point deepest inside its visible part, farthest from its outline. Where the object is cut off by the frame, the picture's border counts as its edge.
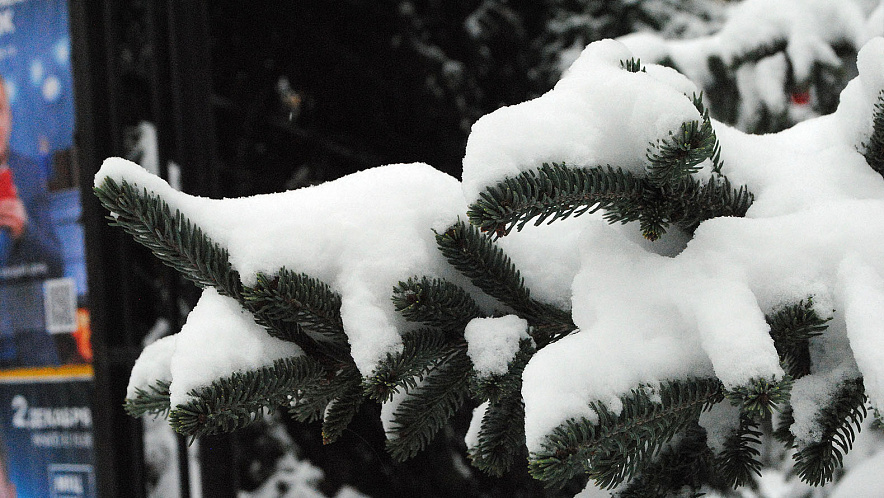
(688, 202)
(791, 328)
(760, 397)
(311, 401)
(501, 436)
(795, 324)
(496, 387)
(680, 155)
(782, 431)
(840, 420)
(428, 407)
(738, 464)
(233, 402)
(556, 191)
(633, 65)
(340, 411)
(154, 400)
(684, 465)
(874, 148)
(299, 298)
(422, 351)
(184, 247)
(619, 445)
(435, 303)
(477, 257)
(171, 237)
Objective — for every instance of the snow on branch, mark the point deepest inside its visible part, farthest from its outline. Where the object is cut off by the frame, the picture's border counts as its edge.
(591, 345)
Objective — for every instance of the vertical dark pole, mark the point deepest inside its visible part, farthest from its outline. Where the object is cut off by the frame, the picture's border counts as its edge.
(191, 72)
(161, 101)
(118, 445)
(195, 146)
(180, 87)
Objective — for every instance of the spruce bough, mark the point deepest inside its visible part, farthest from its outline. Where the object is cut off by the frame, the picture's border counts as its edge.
(642, 446)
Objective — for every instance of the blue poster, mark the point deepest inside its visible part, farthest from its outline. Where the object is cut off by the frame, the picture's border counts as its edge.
(46, 441)
(46, 447)
(43, 317)
(35, 62)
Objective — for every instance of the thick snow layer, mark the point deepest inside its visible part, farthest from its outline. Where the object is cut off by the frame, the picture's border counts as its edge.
(219, 338)
(810, 393)
(360, 234)
(646, 312)
(597, 114)
(493, 342)
(813, 231)
(720, 422)
(862, 296)
(152, 365)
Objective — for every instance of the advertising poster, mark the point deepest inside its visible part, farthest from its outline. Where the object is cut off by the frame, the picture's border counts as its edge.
(45, 350)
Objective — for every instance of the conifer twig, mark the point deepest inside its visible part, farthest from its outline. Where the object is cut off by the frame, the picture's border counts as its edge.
(477, 257)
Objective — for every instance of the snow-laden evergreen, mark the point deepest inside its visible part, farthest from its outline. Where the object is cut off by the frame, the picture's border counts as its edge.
(669, 312)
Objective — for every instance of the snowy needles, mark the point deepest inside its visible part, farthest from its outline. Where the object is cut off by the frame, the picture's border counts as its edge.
(691, 281)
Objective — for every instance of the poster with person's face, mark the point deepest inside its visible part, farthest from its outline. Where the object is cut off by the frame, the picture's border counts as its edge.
(45, 348)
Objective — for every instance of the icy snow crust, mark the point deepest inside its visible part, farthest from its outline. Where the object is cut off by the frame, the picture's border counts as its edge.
(646, 312)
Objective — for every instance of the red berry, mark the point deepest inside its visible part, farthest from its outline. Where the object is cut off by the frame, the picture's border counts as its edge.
(801, 98)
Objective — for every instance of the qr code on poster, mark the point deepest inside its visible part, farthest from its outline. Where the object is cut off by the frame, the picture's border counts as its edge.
(60, 305)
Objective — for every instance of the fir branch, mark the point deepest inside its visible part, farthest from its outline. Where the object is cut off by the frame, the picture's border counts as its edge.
(680, 155)
(477, 257)
(687, 463)
(783, 432)
(874, 148)
(795, 324)
(502, 434)
(759, 397)
(154, 400)
(312, 400)
(233, 402)
(816, 463)
(184, 247)
(422, 351)
(496, 387)
(619, 445)
(298, 298)
(715, 151)
(791, 328)
(341, 410)
(557, 191)
(435, 303)
(553, 191)
(738, 462)
(425, 410)
(689, 202)
(172, 238)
